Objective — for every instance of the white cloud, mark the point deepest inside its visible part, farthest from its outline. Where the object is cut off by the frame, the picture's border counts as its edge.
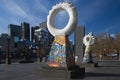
(40, 6)
(2, 29)
(70, 0)
(14, 9)
(1, 19)
(62, 16)
(36, 12)
(17, 12)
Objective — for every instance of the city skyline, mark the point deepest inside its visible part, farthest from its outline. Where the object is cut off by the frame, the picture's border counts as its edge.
(96, 15)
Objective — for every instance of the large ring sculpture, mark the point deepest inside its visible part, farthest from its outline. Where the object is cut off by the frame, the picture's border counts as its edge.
(68, 29)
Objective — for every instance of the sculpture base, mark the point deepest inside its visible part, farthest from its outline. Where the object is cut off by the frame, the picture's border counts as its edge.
(85, 60)
(62, 73)
(88, 64)
(61, 54)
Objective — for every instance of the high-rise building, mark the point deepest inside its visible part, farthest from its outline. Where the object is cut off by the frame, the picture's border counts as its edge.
(14, 30)
(44, 38)
(33, 37)
(3, 43)
(4, 37)
(43, 25)
(25, 30)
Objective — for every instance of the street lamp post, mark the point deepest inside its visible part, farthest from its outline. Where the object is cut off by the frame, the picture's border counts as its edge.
(38, 54)
(8, 59)
(0, 55)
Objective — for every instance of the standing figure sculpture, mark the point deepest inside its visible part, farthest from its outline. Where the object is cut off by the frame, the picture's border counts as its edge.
(61, 54)
(61, 61)
(88, 40)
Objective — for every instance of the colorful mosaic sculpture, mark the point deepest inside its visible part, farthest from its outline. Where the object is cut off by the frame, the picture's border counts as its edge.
(61, 54)
(88, 40)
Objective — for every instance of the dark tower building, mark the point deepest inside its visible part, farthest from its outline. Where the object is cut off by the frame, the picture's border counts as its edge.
(33, 37)
(14, 30)
(25, 30)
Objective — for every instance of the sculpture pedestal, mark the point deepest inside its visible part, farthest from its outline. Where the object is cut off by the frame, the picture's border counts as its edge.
(62, 73)
(88, 64)
(61, 54)
(61, 62)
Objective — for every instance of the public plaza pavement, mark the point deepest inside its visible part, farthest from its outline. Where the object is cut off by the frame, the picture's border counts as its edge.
(107, 70)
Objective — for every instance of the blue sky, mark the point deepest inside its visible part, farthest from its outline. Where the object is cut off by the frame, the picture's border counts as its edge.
(96, 15)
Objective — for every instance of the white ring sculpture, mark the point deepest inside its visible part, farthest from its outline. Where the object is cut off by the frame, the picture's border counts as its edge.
(68, 29)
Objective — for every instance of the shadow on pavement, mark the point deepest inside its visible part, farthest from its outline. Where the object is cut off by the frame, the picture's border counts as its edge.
(2, 70)
(101, 75)
(109, 66)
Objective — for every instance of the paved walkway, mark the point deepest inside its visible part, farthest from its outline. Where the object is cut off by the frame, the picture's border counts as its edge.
(106, 71)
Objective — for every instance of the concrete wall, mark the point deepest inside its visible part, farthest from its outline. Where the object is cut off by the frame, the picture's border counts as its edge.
(79, 47)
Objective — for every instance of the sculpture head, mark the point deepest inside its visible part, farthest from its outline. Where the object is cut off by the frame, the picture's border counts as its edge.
(68, 29)
(88, 39)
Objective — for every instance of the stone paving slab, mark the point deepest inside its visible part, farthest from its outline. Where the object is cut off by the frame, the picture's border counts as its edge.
(28, 72)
